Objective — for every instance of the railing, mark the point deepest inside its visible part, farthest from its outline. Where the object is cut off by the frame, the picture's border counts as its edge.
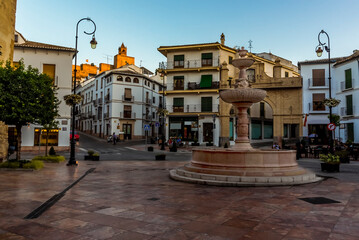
(317, 83)
(190, 86)
(189, 64)
(99, 101)
(347, 111)
(148, 101)
(131, 99)
(106, 115)
(192, 108)
(95, 102)
(344, 87)
(147, 117)
(322, 109)
(128, 115)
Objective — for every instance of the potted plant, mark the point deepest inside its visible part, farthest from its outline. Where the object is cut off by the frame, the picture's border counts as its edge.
(330, 162)
(161, 156)
(195, 142)
(92, 156)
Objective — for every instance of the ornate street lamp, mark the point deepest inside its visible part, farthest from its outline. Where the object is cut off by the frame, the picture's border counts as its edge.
(93, 43)
(319, 51)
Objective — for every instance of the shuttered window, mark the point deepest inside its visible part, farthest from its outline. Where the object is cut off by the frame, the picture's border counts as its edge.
(206, 81)
(348, 78)
(318, 77)
(178, 104)
(206, 104)
(178, 61)
(128, 94)
(349, 101)
(207, 59)
(178, 83)
(318, 101)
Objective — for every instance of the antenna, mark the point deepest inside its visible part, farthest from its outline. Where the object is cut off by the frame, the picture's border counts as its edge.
(107, 56)
(140, 63)
(250, 46)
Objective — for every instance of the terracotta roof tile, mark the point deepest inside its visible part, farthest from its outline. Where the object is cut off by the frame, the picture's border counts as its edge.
(30, 44)
(351, 57)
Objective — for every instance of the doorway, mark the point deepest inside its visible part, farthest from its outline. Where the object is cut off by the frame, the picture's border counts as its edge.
(207, 132)
(127, 130)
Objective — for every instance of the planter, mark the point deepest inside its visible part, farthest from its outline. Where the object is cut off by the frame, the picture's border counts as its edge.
(195, 144)
(150, 149)
(92, 158)
(209, 144)
(160, 157)
(327, 167)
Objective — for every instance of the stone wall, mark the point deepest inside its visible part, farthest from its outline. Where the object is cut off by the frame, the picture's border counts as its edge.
(7, 29)
(3, 141)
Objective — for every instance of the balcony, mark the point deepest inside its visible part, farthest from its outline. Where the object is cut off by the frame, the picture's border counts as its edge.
(99, 101)
(191, 86)
(318, 83)
(189, 64)
(95, 103)
(147, 117)
(106, 115)
(191, 108)
(346, 85)
(127, 115)
(148, 101)
(128, 99)
(347, 111)
(315, 109)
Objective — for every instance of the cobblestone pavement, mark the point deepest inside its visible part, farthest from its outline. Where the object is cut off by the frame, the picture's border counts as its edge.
(137, 200)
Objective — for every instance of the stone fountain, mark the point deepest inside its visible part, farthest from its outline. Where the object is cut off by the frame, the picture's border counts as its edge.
(242, 165)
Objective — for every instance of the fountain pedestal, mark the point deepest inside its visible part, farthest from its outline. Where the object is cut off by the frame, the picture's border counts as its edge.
(242, 165)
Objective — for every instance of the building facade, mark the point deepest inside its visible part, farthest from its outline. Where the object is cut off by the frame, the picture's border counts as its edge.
(7, 29)
(120, 101)
(55, 61)
(197, 72)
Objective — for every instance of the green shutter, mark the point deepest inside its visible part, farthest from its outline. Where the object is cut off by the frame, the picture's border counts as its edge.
(206, 55)
(206, 81)
(178, 102)
(349, 100)
(179, 57)
(350, 131)
(206, 104)
(348, 78)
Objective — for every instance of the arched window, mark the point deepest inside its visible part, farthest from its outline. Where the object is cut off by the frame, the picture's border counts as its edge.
(120, 78)
(135, 80)
(127, 79)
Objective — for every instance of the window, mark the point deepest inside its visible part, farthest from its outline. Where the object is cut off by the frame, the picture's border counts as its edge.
(350, 131)
(251, 74)
(96, 84)
(102, 79)
(120, 78)
(178, 83)
(286, 74)
(49, 70)
(153, 115)
(16, 38)
(291, 130)
(178, 104)
(178, 61)
(207, 59)
(206, 104)
(135, 80)
(318, 102)
(230, 59)
(206, 81)
(127, 110)
(128, 94)
(348, 78)
(349, 102)
(127, 79)
(153, 87)
(261, 109)
(318, 76)
(153, 100)
(160, 102)
(256, 129)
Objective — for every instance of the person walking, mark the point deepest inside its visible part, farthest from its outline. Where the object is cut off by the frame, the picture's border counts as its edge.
(114, 138)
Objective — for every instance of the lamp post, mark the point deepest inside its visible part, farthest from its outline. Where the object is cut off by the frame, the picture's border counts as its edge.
(93, 43)
(163, 112)
(319, 52)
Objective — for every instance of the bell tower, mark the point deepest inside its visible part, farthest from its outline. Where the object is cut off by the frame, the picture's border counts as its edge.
(122, 50)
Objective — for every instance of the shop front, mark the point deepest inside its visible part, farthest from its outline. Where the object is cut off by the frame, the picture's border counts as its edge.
(184, 128)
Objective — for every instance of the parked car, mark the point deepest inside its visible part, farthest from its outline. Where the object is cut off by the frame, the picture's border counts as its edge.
(76, 136)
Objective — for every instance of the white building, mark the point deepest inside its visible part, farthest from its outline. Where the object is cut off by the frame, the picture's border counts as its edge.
(55, 61)
(118, 101)
(344, 86)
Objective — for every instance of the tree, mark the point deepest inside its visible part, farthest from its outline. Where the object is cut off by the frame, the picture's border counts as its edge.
(26, 96)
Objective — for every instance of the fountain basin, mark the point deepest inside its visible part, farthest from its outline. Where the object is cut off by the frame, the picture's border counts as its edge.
(243, 62)
(251, 95)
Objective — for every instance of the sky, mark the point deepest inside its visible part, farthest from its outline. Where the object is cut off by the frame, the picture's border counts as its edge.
(286, 28)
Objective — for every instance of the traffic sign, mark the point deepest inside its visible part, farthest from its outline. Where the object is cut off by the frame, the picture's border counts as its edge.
(146, 127)
(157, 124)
(331, 126)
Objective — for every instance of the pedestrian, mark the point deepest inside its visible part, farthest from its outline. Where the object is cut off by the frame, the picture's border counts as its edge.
(114, 138)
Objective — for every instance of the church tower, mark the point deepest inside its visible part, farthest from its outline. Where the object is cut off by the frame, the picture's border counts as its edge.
(121, 58)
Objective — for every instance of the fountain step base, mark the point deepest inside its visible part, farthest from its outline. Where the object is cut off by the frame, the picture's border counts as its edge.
(180, 174)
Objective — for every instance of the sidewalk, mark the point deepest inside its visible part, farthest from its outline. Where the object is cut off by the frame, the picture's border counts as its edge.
(137, 200)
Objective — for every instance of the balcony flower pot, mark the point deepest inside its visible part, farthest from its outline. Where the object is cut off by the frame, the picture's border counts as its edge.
(160, 157)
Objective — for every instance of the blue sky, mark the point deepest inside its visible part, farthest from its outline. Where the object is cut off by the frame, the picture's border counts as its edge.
(287, 28)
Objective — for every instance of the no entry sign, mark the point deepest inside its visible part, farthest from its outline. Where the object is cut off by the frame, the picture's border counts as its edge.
(331, 126)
